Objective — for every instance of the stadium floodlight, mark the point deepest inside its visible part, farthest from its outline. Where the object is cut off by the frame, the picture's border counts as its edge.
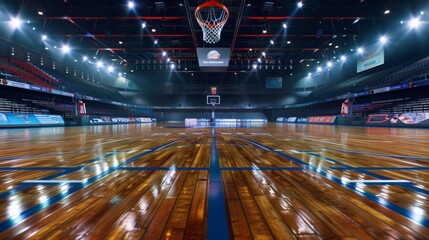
(15, 23)
(99, 64)
(44, 37)
(131, 5)
(144, 25)
(309, 74)
(259, 60)
(386, 12)
(85, 58)
(164, 54)
(329, 64)
(319, 69)
(343, 58)
(414, 23)
(383, 40)
(360, 50)
(263, 54)
(284, 25)
(272, 42)
(65, 49)
(172, 66)
(168, 59)
(156, 41)
(300, 4)
(255, 66)
(110, 69)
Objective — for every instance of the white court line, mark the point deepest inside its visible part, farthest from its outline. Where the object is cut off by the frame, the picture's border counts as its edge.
(182, 133)
(260, 134)
(377, 181)
(161, 134)
(55, 181)
(226, 133)
(240, 133)
(323, 141)
(197, 133)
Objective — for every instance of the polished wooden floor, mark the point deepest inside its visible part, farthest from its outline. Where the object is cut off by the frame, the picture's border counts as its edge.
(273, 181)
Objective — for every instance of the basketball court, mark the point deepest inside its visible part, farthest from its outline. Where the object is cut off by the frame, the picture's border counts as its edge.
(207, 147)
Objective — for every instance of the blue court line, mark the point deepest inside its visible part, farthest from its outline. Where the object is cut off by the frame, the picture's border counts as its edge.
(37, 208)
(381, 168)
(217, 222)
(378, 154)
(375, 175)
(415, 217)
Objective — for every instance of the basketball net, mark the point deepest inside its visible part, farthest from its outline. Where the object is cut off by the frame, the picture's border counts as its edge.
(211, 16)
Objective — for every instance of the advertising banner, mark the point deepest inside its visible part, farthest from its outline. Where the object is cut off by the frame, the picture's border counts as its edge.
(322, 119)
(213, 59)
(345, 108)
(29, 120)
(82, 108)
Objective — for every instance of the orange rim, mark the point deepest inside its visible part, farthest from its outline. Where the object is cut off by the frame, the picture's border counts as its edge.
(211, 3)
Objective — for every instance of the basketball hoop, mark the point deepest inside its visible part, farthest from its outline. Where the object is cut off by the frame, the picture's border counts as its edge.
(211, 16)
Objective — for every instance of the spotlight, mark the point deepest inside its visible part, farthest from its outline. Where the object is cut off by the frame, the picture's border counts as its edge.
(264, 31)
(329, 64)
(15, 23)
(360, 50)
(309, 74)
(289, 42)
(319, 69)
(383, 40)
(343, 58)
(131, 4)
(259, 60)
(414, 23)
(85, 58)
(144, 25)
(44, 37)
(255, 66)
(172, 66)
(300, 4)
(65, 49)
(168, 59)
(164, 54)
(99, 64)
(284, 25)
(263, 54)
(156, 41)
(272, 42)
(387, 12)
(110, 69)
(40, 13)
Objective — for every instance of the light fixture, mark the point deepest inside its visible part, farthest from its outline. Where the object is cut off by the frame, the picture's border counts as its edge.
(284, 25)
(85, 58)
(319, 69)
(44, 37)
(263, 54)
(259, 60)
(300, 4)
(255, 66)
(360, 50)
(15, 23)
(343, 58)
(383, 40)
(120, 42)
(156, 41)
(329, 64)
(289, 42)
(387, 12)
(164, 54)
(272, 42)
(168, 59)
(172, 66)
(110, 69)
(40, 13)
(153, 30)
(414, 23)
(65, 49)
(131, 4)
(144, 25)
(99, 64)
(264, 31)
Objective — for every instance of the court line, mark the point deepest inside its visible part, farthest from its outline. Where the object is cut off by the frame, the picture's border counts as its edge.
(377, 181)
(375, 175)
(217, 221)
(383, 202)
(378, 154)
(46, 155)
(37, 208)
(53, 181)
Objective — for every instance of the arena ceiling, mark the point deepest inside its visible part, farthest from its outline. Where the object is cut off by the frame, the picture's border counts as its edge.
(318, 31)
